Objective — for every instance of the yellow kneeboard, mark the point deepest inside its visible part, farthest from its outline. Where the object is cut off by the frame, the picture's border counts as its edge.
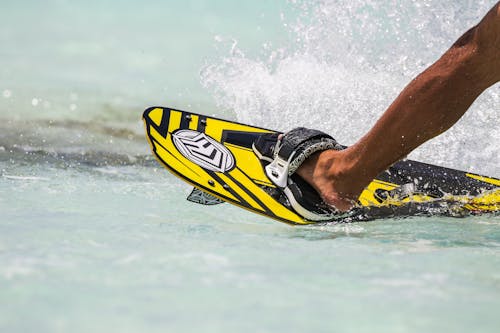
(216, 157)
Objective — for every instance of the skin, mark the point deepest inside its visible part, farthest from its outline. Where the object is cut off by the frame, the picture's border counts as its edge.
(427, 107)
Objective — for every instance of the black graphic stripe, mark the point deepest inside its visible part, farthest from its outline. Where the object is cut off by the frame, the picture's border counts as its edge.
(228, 188)
(249, 193)
(240, 138)
(202, 124)
(175, 157)
(185, 120)
(163, 128)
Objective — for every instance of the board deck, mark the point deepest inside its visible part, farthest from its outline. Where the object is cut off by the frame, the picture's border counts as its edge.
(216, 157)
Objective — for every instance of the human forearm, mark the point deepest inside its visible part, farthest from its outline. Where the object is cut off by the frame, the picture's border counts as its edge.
(434, 100)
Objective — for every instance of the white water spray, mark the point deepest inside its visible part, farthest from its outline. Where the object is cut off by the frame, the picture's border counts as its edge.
(346, 61)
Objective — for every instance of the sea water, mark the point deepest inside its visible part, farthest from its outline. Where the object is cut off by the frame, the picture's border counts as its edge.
(95, 236)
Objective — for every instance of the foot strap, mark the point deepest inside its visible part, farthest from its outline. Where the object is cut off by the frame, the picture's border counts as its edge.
(293, 149)
(282, 154)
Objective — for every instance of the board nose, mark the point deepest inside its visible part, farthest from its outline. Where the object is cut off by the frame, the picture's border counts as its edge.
(154, 115)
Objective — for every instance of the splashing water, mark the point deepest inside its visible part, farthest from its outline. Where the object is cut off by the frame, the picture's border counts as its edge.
(345, 62)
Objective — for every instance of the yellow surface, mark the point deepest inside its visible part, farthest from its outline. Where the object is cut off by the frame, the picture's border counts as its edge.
(488, 180)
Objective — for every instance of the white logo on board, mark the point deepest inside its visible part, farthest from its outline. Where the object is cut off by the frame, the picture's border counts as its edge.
(202, 150)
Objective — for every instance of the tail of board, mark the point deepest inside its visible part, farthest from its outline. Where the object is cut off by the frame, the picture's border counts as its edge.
(215, 156)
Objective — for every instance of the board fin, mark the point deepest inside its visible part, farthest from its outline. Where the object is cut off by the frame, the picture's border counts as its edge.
(203, 198)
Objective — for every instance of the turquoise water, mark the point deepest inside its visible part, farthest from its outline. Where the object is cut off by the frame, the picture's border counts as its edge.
(96, 236)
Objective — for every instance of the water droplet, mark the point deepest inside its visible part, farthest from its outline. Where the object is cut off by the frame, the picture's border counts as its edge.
(7, 93)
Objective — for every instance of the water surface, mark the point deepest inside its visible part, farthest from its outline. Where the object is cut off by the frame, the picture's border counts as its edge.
(96, 236)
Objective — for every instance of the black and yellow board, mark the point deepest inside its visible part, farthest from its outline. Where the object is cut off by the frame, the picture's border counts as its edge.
(216, 157)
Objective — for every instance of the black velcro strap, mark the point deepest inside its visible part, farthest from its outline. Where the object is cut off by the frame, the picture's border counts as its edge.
(293, 139)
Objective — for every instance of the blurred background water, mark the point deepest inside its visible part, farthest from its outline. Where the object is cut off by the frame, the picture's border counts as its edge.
(96, 236)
